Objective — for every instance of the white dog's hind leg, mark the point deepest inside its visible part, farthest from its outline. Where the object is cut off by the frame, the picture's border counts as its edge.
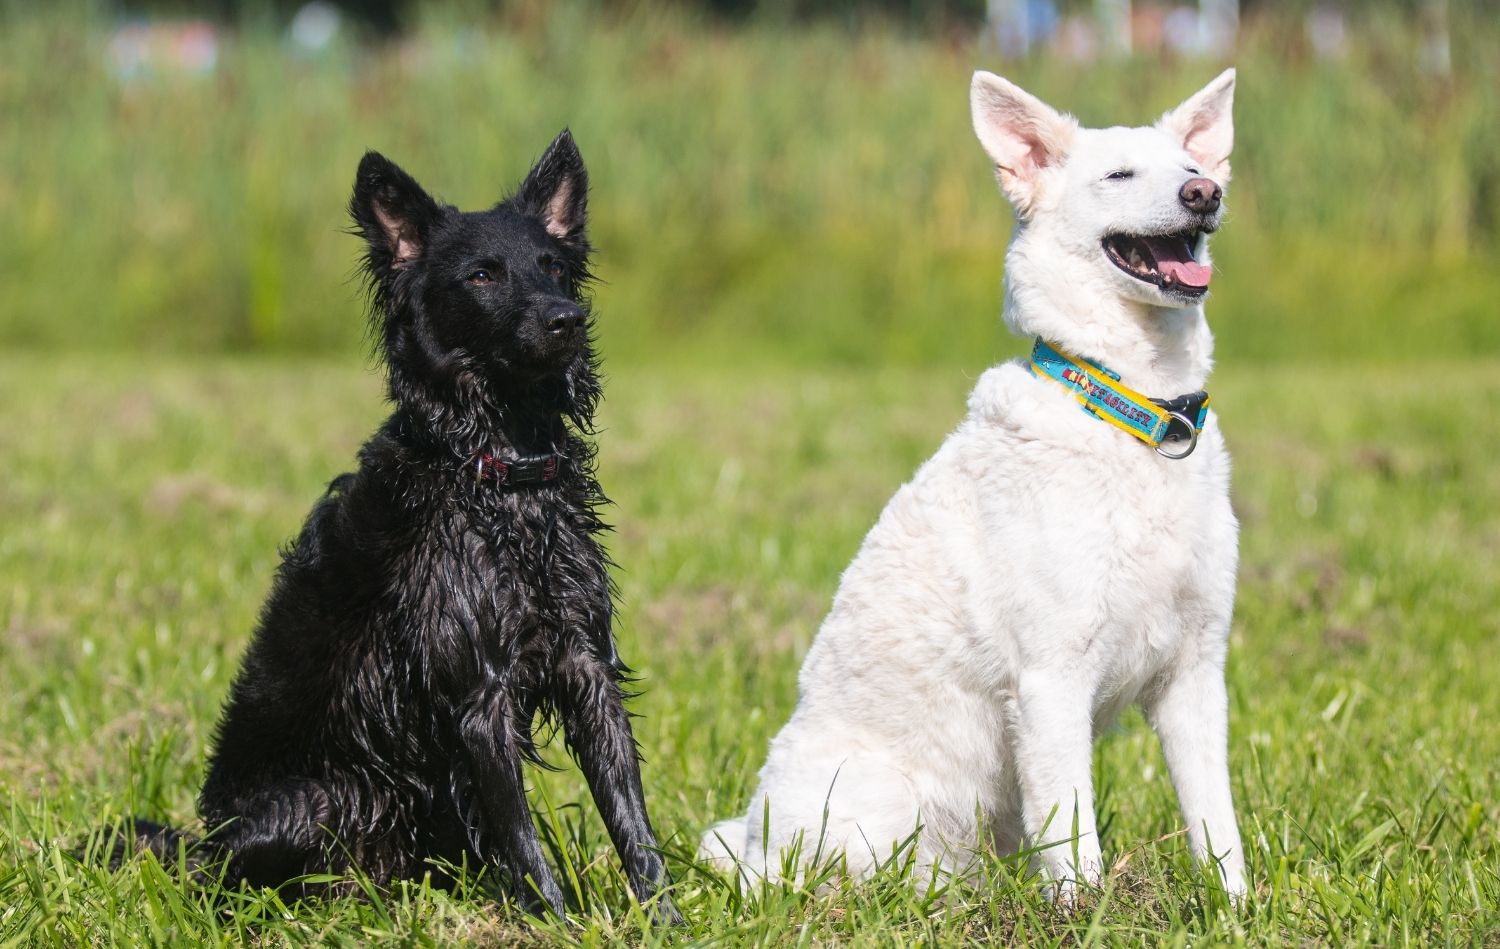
(724, 844)
(860, 807)
(1191, 717)
(1054, 759)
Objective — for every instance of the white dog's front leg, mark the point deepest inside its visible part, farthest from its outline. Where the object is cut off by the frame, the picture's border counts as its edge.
(1054, 760)
(1191, 718)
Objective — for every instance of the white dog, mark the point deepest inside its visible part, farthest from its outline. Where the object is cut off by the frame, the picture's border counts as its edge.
(1046, 567)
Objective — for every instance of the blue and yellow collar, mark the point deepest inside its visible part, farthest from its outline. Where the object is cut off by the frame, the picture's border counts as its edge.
(1101, 394)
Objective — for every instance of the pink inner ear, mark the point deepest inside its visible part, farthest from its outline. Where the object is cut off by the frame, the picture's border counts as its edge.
(554, 218)
(406, 249)
(400, 236)
(1024, 143)
(1205, 127)
(1034, 148)
(1207, 146)
(1041, 154)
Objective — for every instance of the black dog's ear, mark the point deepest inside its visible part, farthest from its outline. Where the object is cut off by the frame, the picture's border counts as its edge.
(556, 190)
(392, 212)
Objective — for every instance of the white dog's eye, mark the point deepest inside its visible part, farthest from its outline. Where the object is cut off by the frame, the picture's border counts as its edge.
(1120, 175)
(1192, 171)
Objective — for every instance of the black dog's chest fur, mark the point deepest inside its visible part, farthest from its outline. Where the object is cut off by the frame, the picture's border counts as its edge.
(433, 586)
(514, 583)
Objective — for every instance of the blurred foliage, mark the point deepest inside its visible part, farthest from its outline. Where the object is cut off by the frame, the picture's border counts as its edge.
(809, 193)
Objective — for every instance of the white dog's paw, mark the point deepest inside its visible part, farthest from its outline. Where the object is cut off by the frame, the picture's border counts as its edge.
(1234, 888)
(1063, 893)
(1069, 884)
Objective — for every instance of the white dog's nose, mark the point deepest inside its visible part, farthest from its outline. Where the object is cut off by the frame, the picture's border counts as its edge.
(1201, 195)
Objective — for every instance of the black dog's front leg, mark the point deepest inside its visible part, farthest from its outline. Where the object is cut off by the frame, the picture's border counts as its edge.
(490, 730)
(598, 730)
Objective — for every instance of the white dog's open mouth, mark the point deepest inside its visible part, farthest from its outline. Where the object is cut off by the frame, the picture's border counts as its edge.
(1167, 261)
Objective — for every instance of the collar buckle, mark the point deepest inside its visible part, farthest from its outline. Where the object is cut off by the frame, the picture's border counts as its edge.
(533, 469)
(528, 469)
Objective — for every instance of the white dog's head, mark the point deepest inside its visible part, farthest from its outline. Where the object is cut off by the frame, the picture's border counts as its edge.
(1122, 212)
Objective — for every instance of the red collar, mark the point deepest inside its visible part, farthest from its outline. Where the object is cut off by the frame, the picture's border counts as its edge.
(533, 469)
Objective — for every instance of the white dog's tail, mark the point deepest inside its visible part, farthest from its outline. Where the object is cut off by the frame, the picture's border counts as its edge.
(723, 846)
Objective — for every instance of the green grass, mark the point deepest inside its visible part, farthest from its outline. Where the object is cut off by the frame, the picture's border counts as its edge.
(801, 192)
(143, 501)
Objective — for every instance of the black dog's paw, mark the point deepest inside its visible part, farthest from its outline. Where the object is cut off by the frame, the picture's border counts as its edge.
(119, 843)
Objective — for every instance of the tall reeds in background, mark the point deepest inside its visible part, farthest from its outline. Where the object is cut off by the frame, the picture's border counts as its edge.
(800, 192)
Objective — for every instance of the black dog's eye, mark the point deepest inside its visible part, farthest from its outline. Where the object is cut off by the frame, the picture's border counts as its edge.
(480, 276)
(555, 269)
(1120, 175)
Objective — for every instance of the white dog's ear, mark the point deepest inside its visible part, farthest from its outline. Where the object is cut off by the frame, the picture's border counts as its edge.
(1022, 134)
(1204, 125)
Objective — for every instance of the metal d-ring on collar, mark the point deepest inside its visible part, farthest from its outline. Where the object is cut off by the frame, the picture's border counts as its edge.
(1192, 439)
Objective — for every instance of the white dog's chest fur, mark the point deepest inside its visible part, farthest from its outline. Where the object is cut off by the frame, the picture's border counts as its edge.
(1057, 546)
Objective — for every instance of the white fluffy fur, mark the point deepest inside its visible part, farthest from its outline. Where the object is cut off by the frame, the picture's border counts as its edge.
(1043, 570)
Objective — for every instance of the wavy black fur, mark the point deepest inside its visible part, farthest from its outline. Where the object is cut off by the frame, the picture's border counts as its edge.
(424, 621)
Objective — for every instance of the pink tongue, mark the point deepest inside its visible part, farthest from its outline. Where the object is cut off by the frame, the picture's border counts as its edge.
(1170, 260)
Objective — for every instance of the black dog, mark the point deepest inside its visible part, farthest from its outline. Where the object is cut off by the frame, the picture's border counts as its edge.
(451, 590)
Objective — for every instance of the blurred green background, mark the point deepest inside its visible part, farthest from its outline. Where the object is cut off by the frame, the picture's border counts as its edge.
(781, 181)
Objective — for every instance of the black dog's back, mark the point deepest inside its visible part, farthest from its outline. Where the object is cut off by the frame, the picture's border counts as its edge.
(451, 589)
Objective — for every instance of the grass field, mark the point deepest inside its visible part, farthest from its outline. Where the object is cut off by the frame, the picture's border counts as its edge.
(144, 499)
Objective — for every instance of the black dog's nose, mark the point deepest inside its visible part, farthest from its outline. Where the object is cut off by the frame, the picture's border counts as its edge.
(1201, 195)
(564, 320)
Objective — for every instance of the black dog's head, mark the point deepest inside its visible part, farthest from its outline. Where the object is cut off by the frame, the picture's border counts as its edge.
(482, 310)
